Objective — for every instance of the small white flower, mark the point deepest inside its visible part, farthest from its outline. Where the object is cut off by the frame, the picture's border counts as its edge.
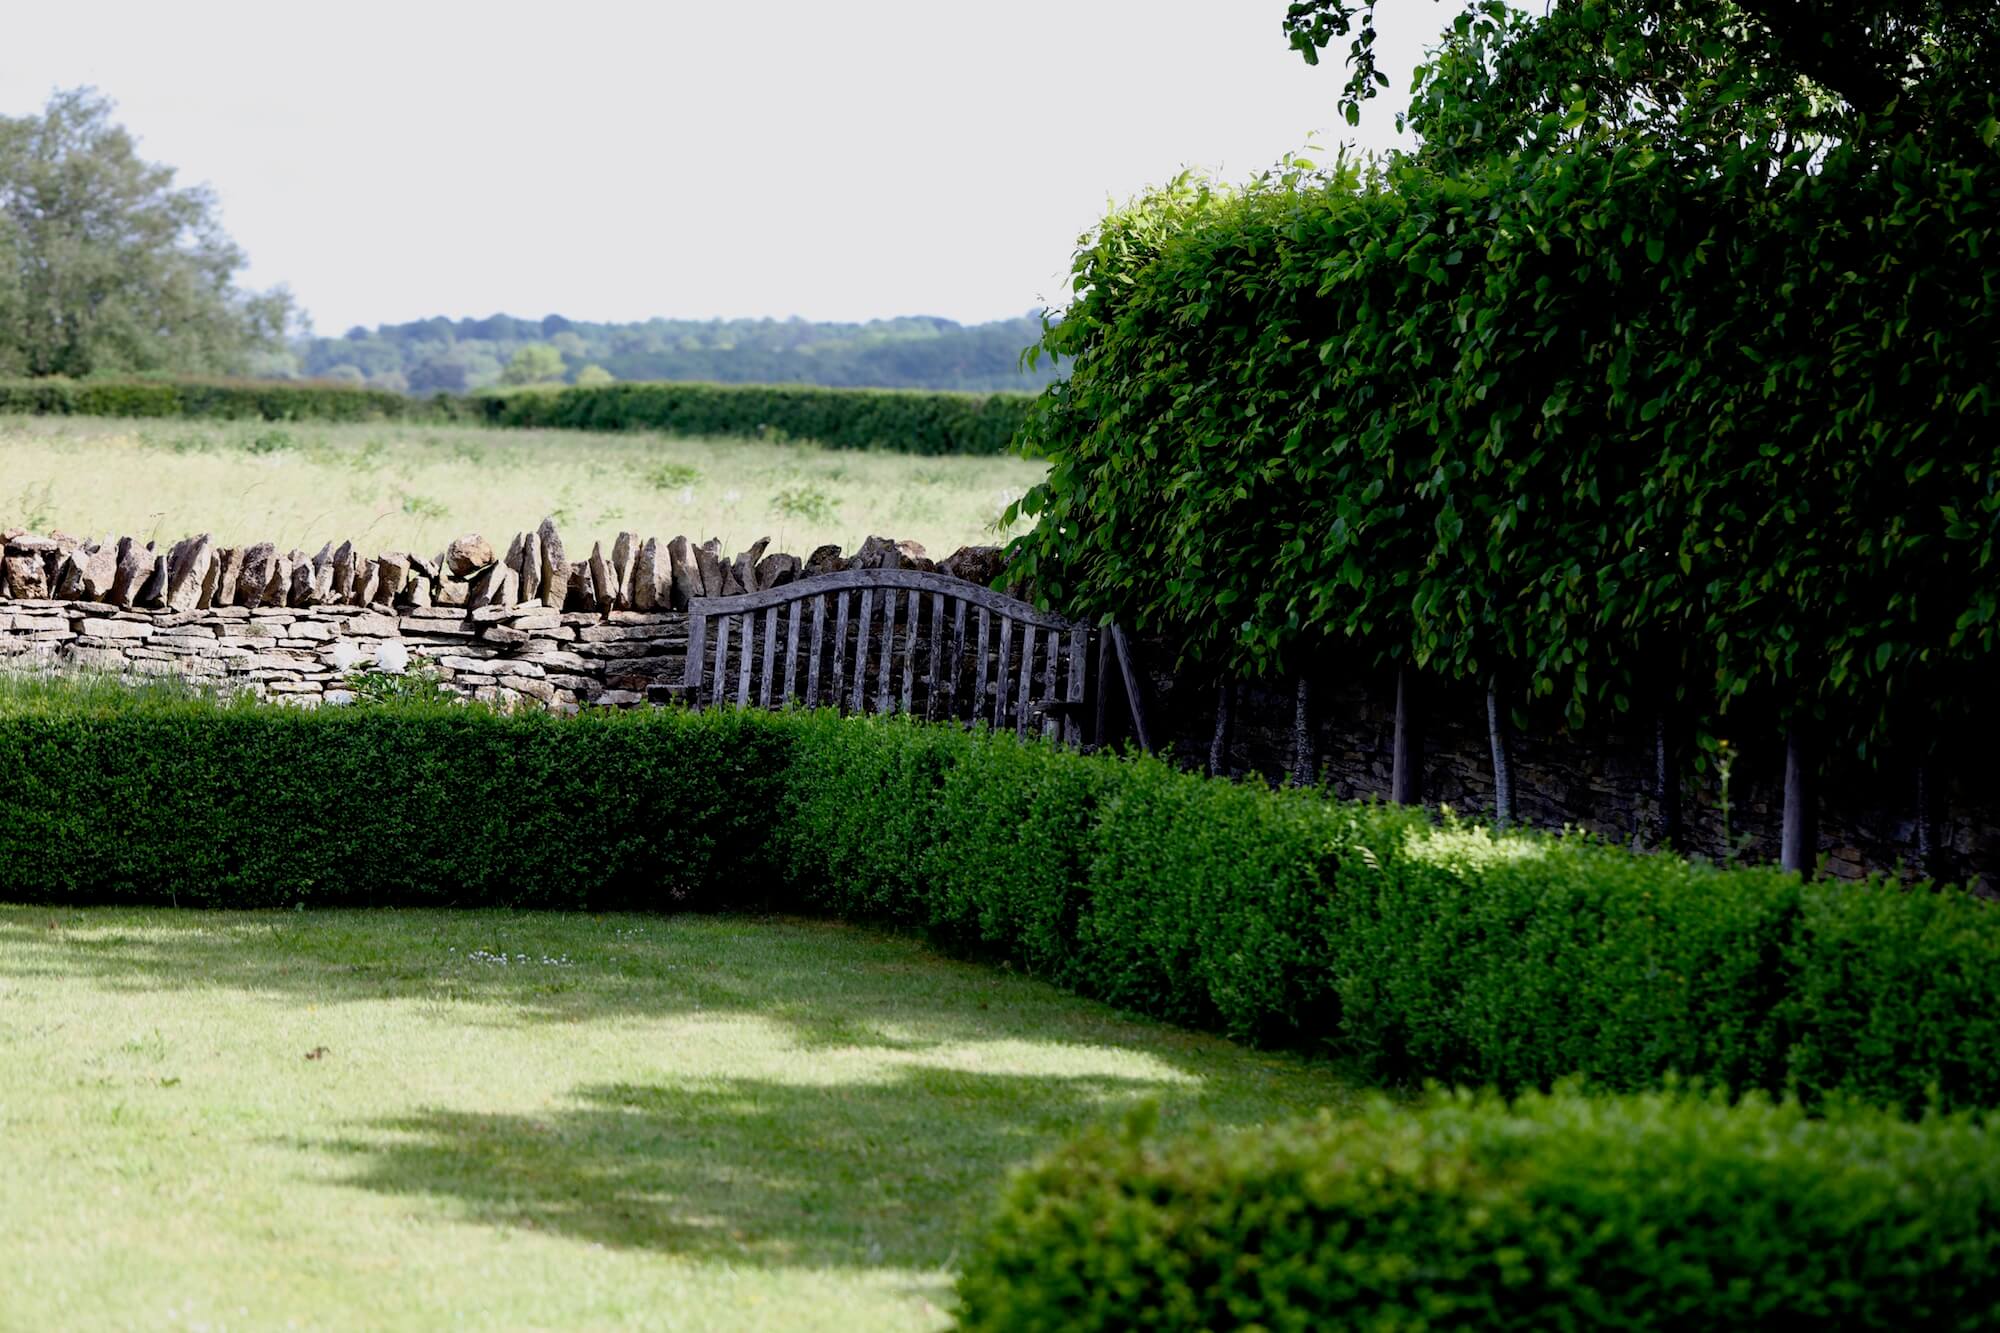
(345, 655)
(392, 657)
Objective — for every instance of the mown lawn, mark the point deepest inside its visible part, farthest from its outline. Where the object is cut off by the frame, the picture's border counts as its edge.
(367, 1120)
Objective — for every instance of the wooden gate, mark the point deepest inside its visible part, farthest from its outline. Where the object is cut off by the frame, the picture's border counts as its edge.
(891, 640)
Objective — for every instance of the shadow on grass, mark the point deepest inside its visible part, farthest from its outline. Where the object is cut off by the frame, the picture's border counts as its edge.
(831, 984)
(889, 1173)
(828, 984)
(897, 1087)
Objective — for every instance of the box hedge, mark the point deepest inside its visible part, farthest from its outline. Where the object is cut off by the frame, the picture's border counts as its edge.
(1637, 1212)
(908, 420)
(905, 420)
(181, 800)
(1417, 951)
(232, 400)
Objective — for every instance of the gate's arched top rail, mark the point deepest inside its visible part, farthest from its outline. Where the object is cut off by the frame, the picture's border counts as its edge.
(978, 594)
(943, 648)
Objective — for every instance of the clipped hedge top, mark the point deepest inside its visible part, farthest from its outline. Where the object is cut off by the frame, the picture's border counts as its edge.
(1647, 1212)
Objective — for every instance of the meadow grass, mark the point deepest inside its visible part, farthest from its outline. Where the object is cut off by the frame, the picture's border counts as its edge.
(369, 1120)
(398, 485)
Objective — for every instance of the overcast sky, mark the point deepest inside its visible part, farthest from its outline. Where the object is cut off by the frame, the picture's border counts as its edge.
(620, 161)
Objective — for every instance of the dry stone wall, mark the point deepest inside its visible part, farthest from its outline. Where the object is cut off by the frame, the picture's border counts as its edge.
(519, 623)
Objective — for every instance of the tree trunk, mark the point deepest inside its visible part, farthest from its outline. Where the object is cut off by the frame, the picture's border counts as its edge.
(1304, 771)
(1406, 755)
(1100, 723)
(1667, 777)
(1799, 844)
(1503, 761)
(1930, 864)
(1218, 747)
(1135, 689)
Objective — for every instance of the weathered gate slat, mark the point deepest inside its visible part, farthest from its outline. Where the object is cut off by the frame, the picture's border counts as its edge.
(1000, 673)
(859, 701)
(934, 666)
(910, 651)
(1079, 660)
(885, 685)
(1027, 679)
(839, 650)
(749, 651)
(1052, 687)
(954, 668)
(979, 666)
(791, 651)
(697, 645)
(818, 638)
(721, 658)
(770, 650)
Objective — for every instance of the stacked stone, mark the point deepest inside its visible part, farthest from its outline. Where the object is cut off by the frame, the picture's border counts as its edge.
(523, 626)
(275, 651)
(642, 575)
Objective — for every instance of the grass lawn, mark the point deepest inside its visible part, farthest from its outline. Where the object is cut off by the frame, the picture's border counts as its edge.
(368, 1120)
(402, 486)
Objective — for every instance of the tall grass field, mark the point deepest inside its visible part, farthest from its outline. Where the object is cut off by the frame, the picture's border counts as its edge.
(414, 487)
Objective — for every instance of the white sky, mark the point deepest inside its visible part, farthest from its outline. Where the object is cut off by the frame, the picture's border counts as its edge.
(615, 161)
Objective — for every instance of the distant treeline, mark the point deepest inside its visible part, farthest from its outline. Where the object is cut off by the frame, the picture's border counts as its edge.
(459, 356)
(906, 420)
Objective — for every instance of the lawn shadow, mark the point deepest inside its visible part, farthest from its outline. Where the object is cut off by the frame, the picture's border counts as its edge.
(896, 1088)
(889, 1173)
(829, 984)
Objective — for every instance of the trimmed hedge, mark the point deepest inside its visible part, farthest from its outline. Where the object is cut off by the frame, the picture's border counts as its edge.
(1650, 1212)
(233, 400)
(911, 421)
(905, 420)
(1417, 951)
(182, 800)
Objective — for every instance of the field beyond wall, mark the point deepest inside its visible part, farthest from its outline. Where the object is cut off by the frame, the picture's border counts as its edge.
(390, 485)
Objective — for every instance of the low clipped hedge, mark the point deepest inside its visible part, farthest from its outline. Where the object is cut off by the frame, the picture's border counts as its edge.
(1416, 951)
(904, 420)
(1647, 1212)
(232, 400)
(907, 420)
(161, 797)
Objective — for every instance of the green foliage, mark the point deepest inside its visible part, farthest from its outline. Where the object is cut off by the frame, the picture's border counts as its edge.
(422, 684)
(1649, 1212)
(106, 266)
(1654, 372)
(909, 421)
(806, 502)
(535, 363)
(232, 400)
(456, 356)
(1416, 951)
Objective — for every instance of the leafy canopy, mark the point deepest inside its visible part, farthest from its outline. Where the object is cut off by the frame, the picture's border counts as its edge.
(106, 266)
(1662, 365)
